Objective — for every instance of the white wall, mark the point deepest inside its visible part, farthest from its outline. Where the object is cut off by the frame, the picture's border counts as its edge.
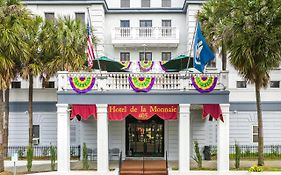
(47, 121)
(113, 20)
(137, 3)
(241, 127)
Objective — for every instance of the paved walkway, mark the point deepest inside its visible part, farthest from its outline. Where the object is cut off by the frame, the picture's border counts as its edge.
(44, 165)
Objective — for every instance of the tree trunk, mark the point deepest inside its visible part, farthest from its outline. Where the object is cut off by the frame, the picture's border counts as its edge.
(260, 126)
(6, 122)
(223, 55)
(2, 109)
(30, 111)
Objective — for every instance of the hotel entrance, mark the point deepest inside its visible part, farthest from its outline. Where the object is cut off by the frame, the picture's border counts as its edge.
(145, 138)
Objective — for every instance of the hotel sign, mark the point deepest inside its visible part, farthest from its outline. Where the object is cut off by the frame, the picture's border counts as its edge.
(142, 112)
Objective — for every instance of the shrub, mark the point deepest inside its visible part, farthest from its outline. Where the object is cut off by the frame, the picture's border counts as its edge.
(53, 157)
(29, 158)
(198, 157)
(20, 153)
(237, 156)
(255, 168)
(85, 157)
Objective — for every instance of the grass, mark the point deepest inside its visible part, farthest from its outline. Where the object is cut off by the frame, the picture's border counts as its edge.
(265, 168)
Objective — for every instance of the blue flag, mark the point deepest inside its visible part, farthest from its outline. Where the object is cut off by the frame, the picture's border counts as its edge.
(202, 52)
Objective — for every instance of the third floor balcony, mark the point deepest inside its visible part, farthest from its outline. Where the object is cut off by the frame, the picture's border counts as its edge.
(150, 36)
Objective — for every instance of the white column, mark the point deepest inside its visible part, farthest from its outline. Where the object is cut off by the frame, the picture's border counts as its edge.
(223, 140)
(184, 138)
(102, 139)
(63, 139)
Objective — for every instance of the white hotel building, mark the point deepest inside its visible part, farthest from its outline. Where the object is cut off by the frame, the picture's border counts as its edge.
(129, 29)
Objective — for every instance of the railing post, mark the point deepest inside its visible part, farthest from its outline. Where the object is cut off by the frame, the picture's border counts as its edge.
(62, 80)
(184, 81)
(224, 79)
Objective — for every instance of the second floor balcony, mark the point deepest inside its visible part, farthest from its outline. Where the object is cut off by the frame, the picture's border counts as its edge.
(118, 81)
(150, 36)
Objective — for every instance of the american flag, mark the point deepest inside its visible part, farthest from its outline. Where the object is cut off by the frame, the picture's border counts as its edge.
(90, 50)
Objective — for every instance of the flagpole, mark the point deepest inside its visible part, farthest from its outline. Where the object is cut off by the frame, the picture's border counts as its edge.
(190, 50)
(90, 23)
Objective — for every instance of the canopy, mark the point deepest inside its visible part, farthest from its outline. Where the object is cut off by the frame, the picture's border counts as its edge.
(179, 63)
(83, 111)
(214, 110)
(107, 64)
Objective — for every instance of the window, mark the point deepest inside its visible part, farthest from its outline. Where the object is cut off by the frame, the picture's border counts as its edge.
(146, 57)
(166, 56)
(124, 23)
(125, 30)
(145, 3)
(16, 84)
(36, 134)
(125, 56)
(241, 84)
(255, 134)
(145, 28)
(274, 84)
(125, 3)
(80, 17)
(166, 3)
(212, 64)
(166, 28)
(49, 16)
(50, 84)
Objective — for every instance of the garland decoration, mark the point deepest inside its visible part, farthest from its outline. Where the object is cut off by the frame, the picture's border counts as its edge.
(126, 64)
(145, 66)
(82, 84)
(141, 84)
(204, 83)
(161, 64)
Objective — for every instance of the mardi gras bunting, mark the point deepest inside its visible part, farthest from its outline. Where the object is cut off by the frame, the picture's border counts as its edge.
(82, 84)
(141, 84)
(126, 65)
(204, 83)
(161, 64)
(145, 66)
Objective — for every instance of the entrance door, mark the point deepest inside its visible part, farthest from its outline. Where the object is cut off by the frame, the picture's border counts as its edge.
(145, 137)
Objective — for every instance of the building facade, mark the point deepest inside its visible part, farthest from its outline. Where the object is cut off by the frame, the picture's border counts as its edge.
(150, 30)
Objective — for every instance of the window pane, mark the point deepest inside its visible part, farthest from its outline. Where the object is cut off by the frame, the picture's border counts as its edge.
(241, 84)
(275, 84)
(145, 3)
(166, 23)
(125, 56)
(35, 131)
(80, 17)
(16, 84)
(166, 56)
(212, 64)
(148, 56)
(125, 3)
(255, 138)
(166, 3)
(124, 23)
(49, 16)
(50, 84)
(255, 129)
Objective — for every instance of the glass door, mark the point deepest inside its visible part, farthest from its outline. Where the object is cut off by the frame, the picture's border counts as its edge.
(145, 138)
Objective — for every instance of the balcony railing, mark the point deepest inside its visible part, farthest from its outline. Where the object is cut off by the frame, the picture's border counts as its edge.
(152, 36)
(145, 32)
(114, 81)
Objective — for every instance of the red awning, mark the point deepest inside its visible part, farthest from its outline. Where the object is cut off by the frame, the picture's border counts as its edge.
(84, 111)
(142, 112)
(214, 110)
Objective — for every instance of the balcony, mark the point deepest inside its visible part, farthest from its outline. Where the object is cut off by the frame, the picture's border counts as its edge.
(149, 36)
(118, 82)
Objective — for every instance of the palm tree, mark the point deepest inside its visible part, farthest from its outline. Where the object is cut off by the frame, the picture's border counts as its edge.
(71, 46)
(32, 66)
(12, 48)
(251, 31)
